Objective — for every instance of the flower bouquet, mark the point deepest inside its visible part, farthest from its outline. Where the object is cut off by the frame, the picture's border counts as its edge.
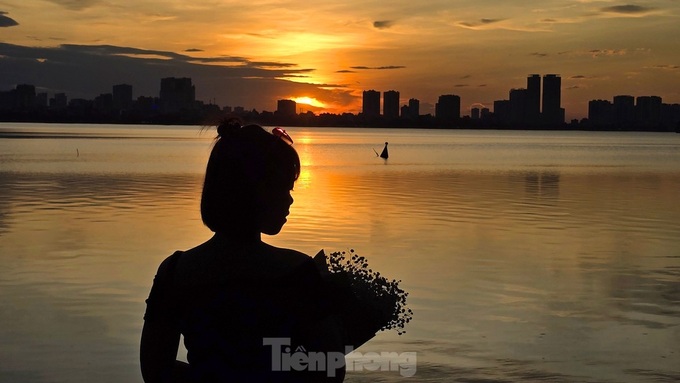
(367, 302)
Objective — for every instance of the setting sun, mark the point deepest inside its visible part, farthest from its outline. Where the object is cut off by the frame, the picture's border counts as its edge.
(309, 101)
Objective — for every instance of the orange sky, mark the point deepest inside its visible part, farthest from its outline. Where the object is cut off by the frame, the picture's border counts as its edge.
(330, 50)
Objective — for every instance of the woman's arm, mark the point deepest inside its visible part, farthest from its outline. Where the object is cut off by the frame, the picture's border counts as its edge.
(158, 353)
(160, 335)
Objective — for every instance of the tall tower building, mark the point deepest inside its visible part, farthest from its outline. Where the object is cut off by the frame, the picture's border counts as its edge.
(24, 96)
(533, 96)
(414, 107)
(447, 108)
(552, 89)
(391, 104)
(600, 112)
(177, 94)
(371, 103)
(286, 107)
(648, 111)
(624, 110)
(122, 96)
(519, 105)
(501, 111)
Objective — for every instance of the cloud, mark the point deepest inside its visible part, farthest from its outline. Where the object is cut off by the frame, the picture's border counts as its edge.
(461, 86)
(628, 9)
(478, 24)
(486, 24)
(578, 76)
(75, 5)
(274, 64)
(666, 67)
(389, 67)
(345, 71)
(607, 52)
(85, 71)
(539, 54)
(193, 50)
(6, 21)
(383, 24)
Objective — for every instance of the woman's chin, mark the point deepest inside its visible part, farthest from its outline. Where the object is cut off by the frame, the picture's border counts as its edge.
(274, 229)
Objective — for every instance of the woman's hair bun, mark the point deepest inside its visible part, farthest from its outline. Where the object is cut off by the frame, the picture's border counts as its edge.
(227, 126)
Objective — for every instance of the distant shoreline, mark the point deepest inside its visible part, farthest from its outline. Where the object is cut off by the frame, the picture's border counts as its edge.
(564, 127)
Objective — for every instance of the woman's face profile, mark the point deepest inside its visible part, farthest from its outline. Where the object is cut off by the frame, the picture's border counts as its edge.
(275, 201)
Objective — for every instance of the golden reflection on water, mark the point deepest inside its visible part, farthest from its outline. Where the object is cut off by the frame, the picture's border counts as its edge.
(515, 271)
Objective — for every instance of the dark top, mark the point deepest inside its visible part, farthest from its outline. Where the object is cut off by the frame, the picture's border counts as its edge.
(226, 307)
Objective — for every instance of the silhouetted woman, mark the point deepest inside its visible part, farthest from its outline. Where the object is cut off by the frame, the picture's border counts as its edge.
(239, 302)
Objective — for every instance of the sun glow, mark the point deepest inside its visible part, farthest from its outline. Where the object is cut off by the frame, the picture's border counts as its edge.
(309, 101)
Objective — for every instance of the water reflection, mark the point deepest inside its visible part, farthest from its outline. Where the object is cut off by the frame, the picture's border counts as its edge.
(542, 185)
(516, 273)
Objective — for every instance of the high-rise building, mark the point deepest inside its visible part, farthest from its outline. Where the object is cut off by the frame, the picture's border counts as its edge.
(670, 117)
(552, 112)
(391, 104)
(519, 105)
(24, 96)
(485, 114)
(648, 111)
(59, 101)
(122, 96)
(533, 99)
(371, 103)
(286, 107)
(41, 100)
(501, 111)
(474, 113)
(624, 110)
(600, 112)
(103, 102)
(405, 113)
(414, 107)
(447, 108)
(177, 94)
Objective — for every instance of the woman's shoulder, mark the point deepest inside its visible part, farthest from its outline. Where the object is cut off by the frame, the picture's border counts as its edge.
(287, 259)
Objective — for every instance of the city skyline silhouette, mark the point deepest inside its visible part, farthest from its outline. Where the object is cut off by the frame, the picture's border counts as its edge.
(537, 106)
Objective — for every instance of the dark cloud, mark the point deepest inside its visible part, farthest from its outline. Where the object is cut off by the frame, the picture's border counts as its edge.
(383, 24)
(479, 23)
(667, 67)
(578, 76)
(606, 52)
(75, 5)
(461, 86)
(573, 87)
(346, 71)
(85, 71)
(274, 64)
(539, 54)
(628, 9)
(379, 67)
(6, 21)
(466, 77)
(193, 50)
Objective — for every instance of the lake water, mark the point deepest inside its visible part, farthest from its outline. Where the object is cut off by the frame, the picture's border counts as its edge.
(528, 256)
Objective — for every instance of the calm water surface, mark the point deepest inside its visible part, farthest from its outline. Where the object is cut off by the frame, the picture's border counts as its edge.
(529, 256)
